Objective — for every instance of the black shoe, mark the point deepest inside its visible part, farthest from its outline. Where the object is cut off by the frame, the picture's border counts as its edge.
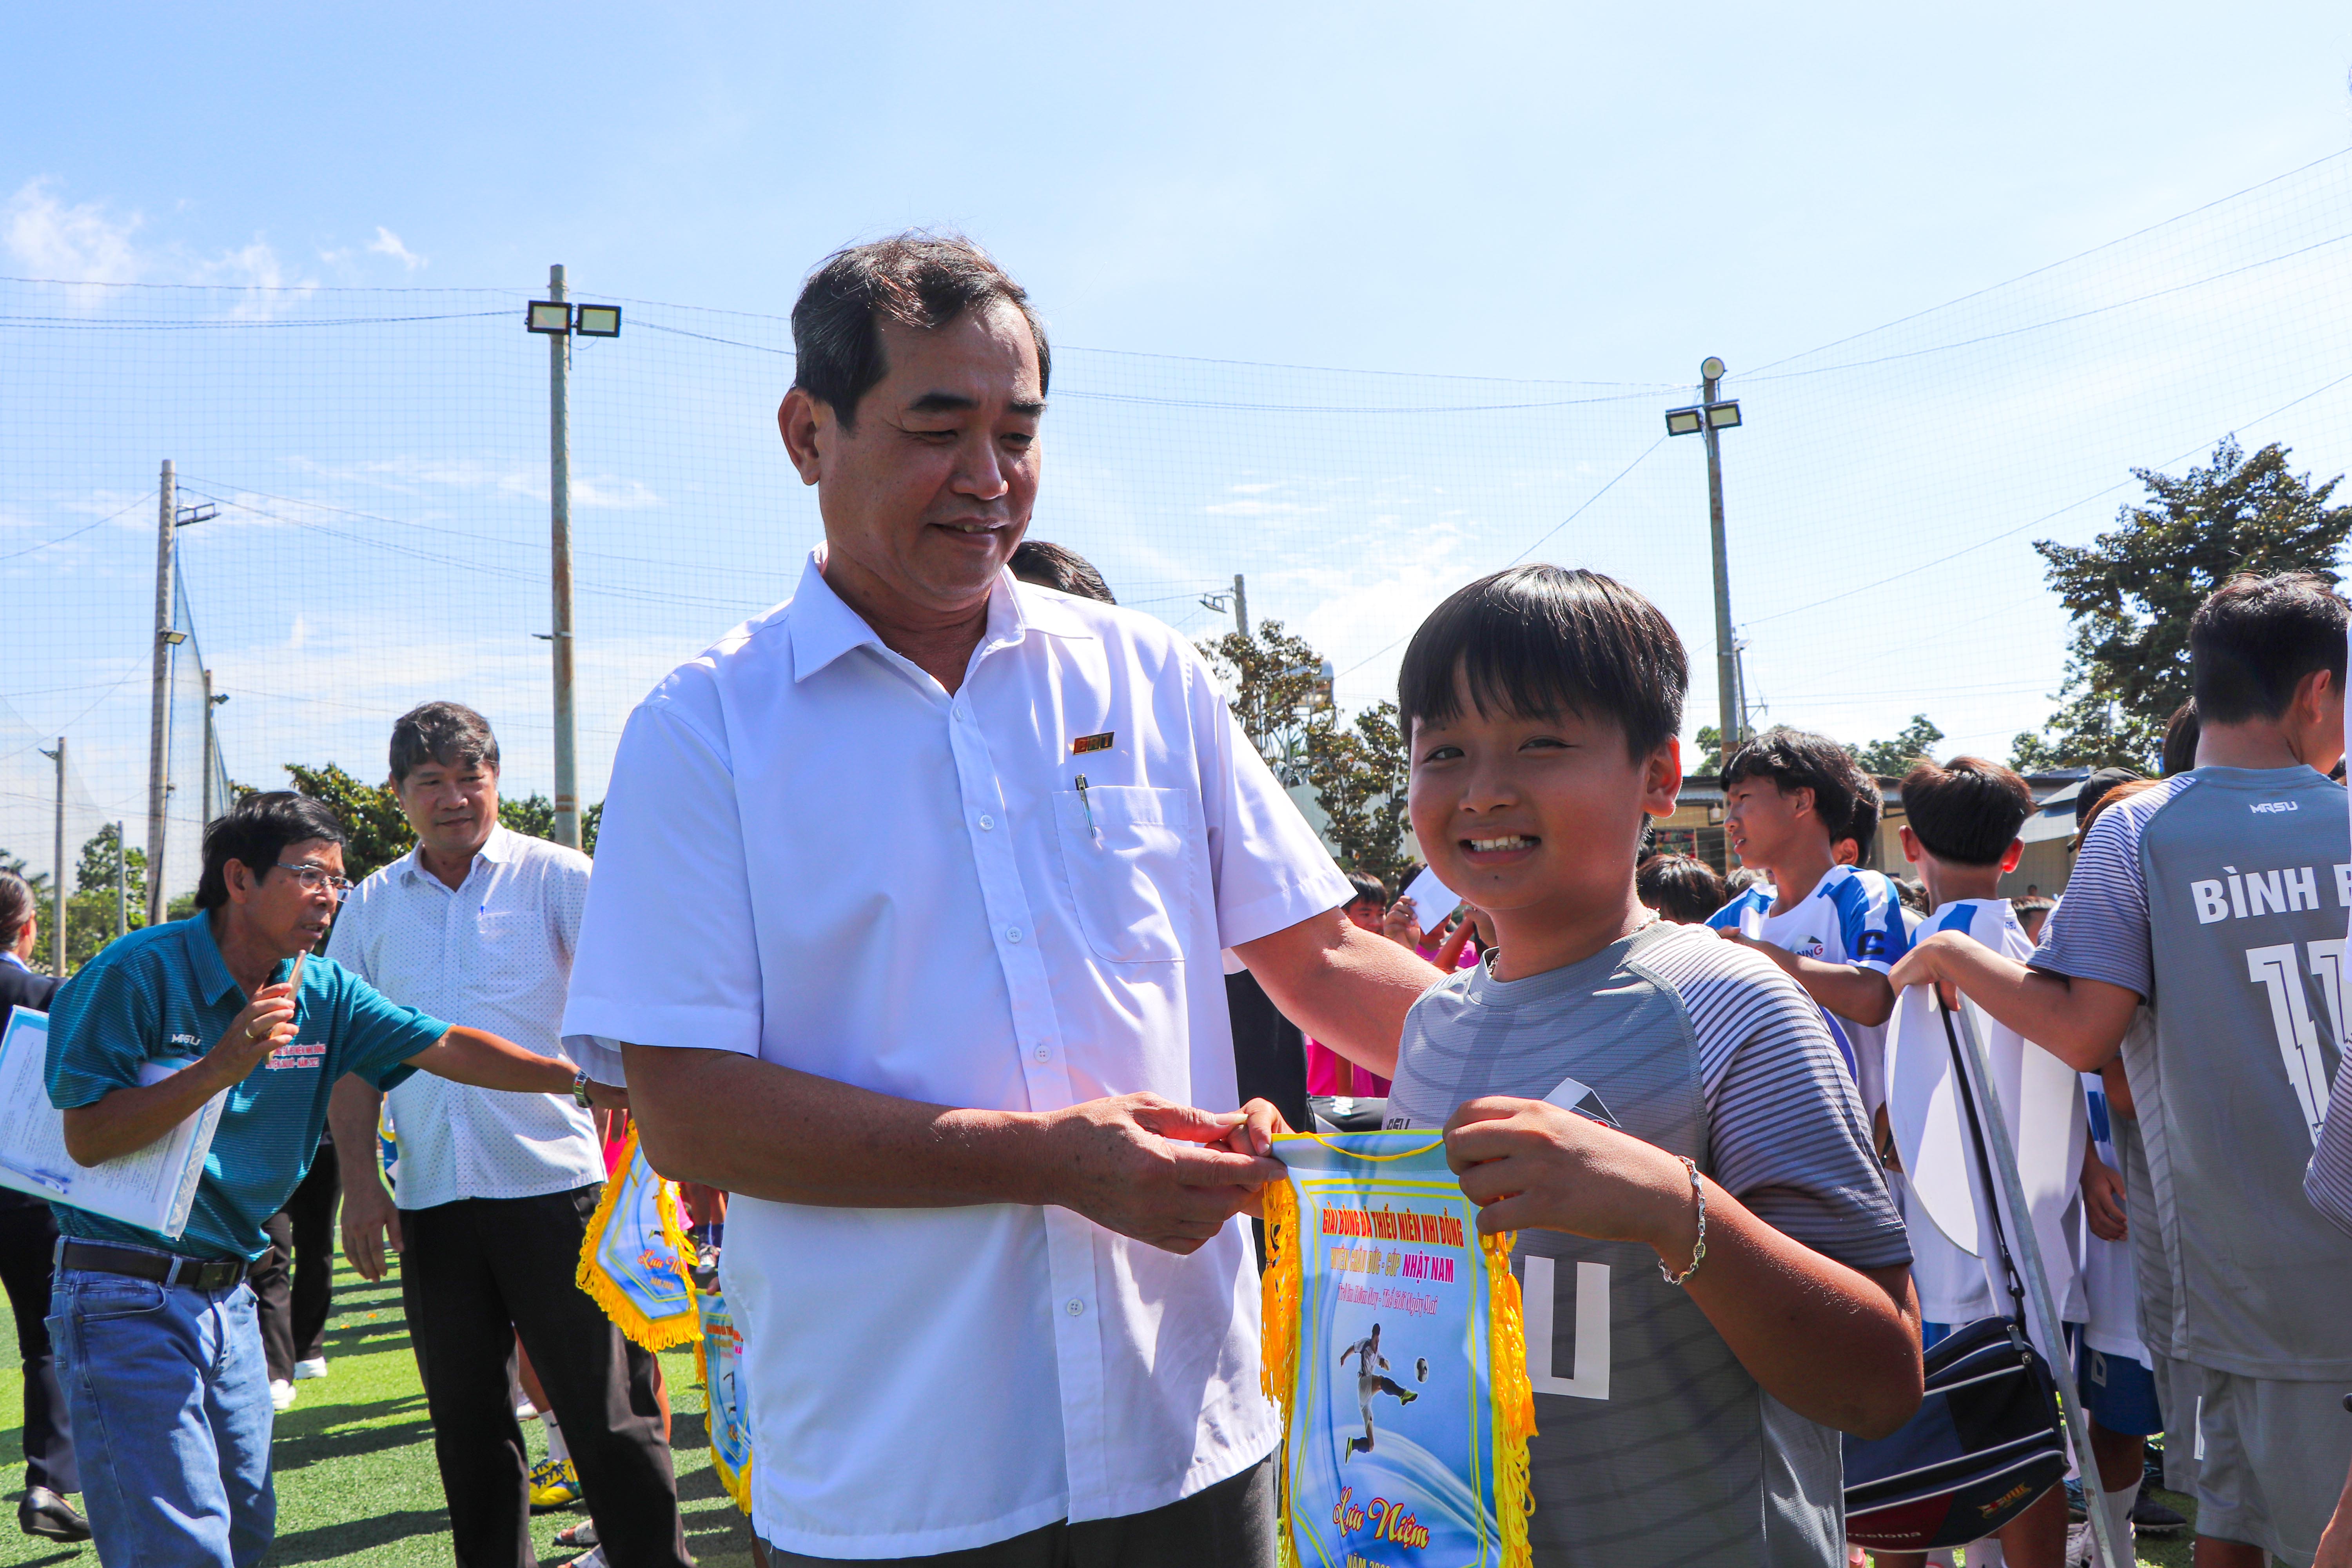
(2150, 1517)
(45, 1513)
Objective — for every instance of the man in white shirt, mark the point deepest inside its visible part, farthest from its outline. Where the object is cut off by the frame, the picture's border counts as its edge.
(908, 920)
(479, 924)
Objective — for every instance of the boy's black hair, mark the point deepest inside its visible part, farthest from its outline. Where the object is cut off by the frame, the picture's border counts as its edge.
(2255, 639)
(1967, 811)
(2180, 732)
(1682, 888)
(1051, 565)
(1799, 759)
(1367, 887)
(256, 831)
(1545, 639)
(1862, 826)
(1912, 894)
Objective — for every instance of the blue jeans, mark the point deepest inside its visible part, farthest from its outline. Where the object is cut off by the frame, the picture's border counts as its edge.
(170, 1396)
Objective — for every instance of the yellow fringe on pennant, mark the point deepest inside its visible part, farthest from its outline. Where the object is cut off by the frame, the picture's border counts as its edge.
(1514, 1402)
(669, 1333)
(1279, 1291)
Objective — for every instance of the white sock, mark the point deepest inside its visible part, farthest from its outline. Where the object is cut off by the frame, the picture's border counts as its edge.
(1985, 1553)
(555, 1449)
(2117, 1507)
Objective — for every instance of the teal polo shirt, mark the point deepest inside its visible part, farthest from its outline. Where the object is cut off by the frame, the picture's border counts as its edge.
(164, 994)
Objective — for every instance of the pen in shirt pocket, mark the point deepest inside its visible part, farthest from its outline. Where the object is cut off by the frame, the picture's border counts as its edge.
(1092, 831)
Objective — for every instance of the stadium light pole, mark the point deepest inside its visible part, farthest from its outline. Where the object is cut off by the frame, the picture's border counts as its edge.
(122, 881)
(1709, 416)
(560, 320)
(158, 762)
(58, 878)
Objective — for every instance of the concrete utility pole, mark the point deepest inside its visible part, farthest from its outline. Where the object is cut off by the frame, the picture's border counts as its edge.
(559, 507)
(1726, 669)
(57, 881)
(1240, 605)
(159, 760)
(212, 752)
(121, 882)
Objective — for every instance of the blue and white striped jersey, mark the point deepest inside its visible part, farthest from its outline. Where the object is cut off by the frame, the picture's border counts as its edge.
(1851, 916)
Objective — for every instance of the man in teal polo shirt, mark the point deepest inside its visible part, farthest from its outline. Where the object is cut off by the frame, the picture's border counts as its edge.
(156, 1337)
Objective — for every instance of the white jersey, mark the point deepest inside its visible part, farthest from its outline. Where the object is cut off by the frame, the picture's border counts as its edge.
(2110, 1287)
(2041, 1102)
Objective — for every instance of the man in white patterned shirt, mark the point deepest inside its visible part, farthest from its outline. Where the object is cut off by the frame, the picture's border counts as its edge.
(479, 924)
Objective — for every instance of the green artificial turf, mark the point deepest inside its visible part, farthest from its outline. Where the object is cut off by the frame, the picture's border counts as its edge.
(356, 1481)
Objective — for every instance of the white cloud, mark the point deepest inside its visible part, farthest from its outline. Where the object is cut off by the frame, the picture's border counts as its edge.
(387, 243)
(90, 242)
(84, 244)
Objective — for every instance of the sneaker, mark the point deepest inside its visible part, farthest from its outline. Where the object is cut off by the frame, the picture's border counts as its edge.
(281, 1394)
(315, 1366)
(579, 1537)
(1407, 1397)
(553, 1484)
(596, 1559)
(2074, 1514)
(2082, 1551)
(526, 1411)
(2150, 1517)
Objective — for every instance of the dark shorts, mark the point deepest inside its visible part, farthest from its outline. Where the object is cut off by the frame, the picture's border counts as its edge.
(1230, 1524)
(2118, 1392)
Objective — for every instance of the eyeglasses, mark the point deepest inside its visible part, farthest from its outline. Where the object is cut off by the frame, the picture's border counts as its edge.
(314, 877)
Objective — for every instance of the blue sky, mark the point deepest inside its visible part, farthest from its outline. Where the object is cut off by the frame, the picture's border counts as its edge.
(1556, 195)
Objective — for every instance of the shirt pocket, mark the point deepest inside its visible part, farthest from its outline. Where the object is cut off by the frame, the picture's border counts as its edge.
(1128, 852)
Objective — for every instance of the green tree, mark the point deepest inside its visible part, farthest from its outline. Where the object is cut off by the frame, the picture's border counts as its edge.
(2132, 591)
(1893, 758)
(1279, 692)
(1359, 772)
(91, 909)
(379, 830)
(39, 883)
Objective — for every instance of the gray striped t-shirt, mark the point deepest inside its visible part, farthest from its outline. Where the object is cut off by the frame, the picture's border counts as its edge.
(1654, 1444)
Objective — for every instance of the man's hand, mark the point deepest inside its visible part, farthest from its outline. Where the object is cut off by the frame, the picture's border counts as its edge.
(2103, 1198)
(266, 1024)
(1149, 1168)
(607, 1096)
(370, 1220)
(1529, 1165)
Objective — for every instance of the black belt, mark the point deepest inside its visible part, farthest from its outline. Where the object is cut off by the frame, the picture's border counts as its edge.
(165, 1268)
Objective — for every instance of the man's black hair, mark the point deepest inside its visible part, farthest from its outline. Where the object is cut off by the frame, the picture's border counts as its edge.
(15, 908)
(2095, 790)
(1544, 639)
(450, 733)
(1799, 759)
(1682, 888)
(2180, 732)
(916, 278)
(1966, 812)
(256, 832)
(1368, 885)
(1058, 566)
(2254, 639)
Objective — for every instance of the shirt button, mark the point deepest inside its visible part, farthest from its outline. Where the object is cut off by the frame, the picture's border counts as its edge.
(1076, 1308)
(986, 823)
(1044, 1055)
(1013, 933)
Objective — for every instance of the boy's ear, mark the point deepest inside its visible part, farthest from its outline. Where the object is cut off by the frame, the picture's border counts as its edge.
(1662, 779)
(2010, 856)
(1913, 852)
(1799, 799)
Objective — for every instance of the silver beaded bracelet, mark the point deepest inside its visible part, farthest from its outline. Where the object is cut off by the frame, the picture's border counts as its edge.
(1698, 1191)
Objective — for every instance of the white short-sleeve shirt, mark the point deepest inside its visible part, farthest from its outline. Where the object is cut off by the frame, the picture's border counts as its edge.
(493, 952)
(812, 854)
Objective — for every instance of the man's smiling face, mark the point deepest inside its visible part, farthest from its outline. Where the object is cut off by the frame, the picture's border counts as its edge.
(925, 493)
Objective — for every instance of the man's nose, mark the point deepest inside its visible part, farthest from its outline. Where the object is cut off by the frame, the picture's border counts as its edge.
(979, 470)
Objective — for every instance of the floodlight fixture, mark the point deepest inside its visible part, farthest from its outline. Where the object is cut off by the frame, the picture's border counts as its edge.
(175, 636)
(204, 512)
(1723, 415)
(598, 321)
(1685, 421)
(1710, 369)
(552, 317)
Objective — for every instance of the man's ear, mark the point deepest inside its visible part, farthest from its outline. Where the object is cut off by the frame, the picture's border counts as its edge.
(239, 880)
(806, 424)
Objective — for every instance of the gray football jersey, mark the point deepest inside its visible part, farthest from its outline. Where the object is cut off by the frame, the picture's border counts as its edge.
(2220, 897)
(1653, 1443)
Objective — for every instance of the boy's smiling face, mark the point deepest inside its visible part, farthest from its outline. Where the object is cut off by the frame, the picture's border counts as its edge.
(1538, 820)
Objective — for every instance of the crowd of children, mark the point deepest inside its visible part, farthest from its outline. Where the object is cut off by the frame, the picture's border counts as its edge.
(1747, 1110)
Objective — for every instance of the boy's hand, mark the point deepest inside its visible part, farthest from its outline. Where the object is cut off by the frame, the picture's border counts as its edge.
(2103, 1199)
(1530, 1165)
(1402, 924)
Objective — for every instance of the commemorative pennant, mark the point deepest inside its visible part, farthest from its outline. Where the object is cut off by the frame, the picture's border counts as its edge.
(1394, 1346)
(718, 1356)
(635, 1258)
